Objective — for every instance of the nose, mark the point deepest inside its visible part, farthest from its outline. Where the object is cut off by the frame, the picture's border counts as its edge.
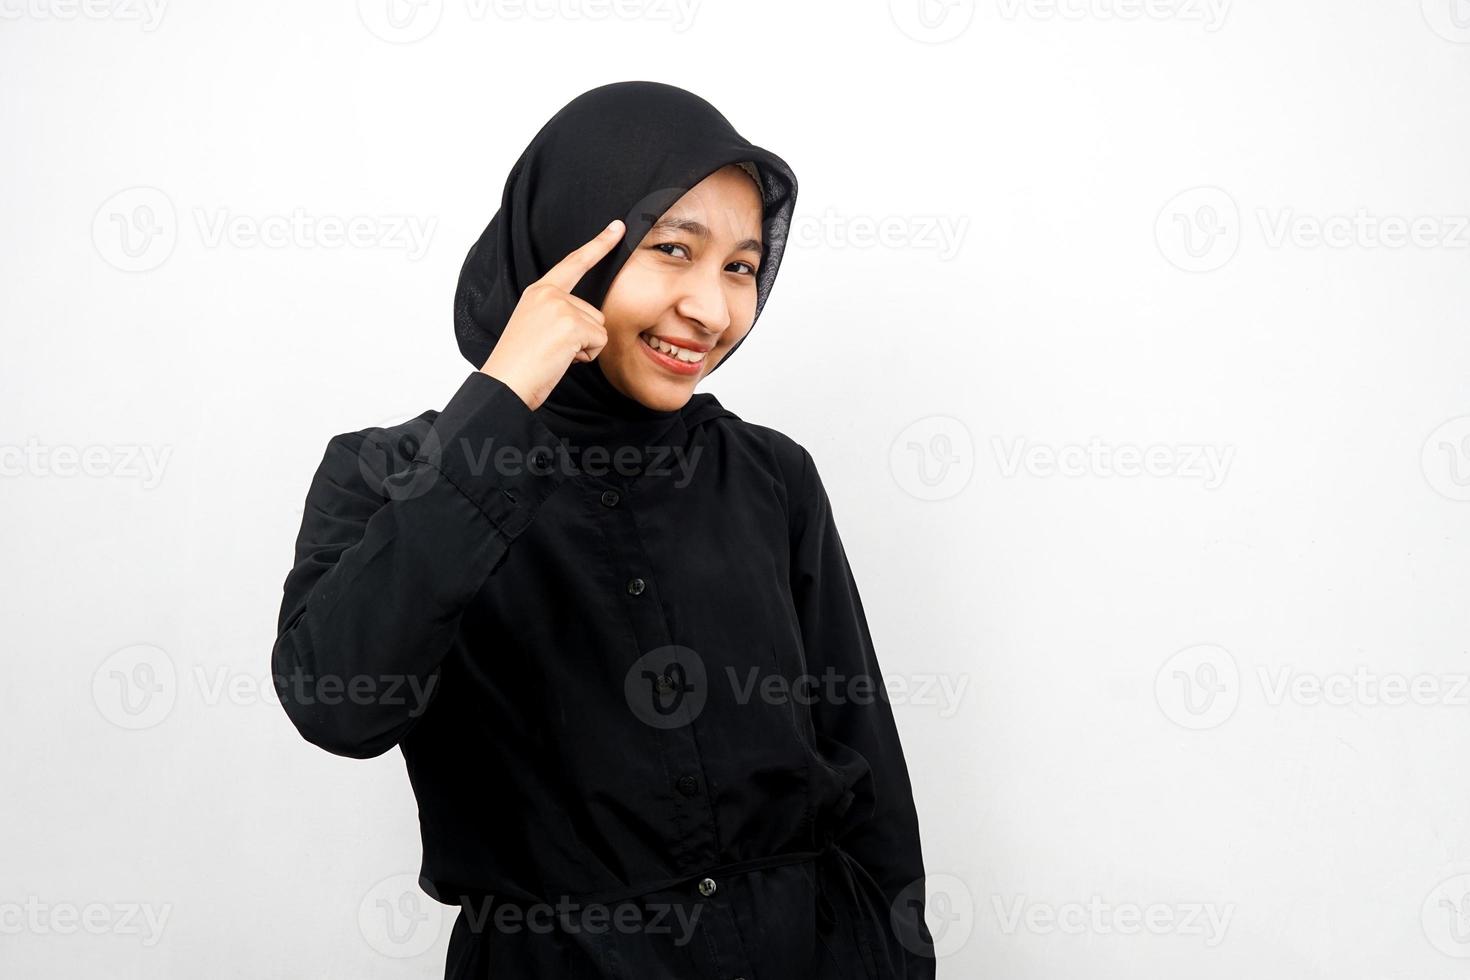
(702, 299)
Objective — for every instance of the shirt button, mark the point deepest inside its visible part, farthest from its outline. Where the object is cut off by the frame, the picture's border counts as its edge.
(609, 498)
(540, 459)
(688, 785)
(707, 887)
(664, 683)
(635, 586)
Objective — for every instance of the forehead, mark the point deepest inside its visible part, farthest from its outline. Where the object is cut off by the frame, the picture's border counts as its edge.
(726, 202)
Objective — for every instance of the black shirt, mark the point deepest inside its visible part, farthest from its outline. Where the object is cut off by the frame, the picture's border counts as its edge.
(637, 698)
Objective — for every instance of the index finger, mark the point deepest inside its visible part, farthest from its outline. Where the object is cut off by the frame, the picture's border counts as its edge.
(569, 270)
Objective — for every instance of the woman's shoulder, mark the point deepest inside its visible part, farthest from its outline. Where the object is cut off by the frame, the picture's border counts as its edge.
(787, 458)
(359, 460)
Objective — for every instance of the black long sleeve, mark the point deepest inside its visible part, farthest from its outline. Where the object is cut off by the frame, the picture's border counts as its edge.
(384, 568)
(836, 637)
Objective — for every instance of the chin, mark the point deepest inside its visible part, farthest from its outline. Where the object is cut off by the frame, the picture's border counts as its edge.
(667, 403)
(665, 395)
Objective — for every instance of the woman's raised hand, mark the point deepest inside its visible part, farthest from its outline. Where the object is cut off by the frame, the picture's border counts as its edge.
(550, 328)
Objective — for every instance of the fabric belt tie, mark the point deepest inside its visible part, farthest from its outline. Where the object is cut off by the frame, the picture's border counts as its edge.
(830, 856)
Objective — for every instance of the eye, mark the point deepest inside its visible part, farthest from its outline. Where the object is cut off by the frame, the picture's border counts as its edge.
(750, 269)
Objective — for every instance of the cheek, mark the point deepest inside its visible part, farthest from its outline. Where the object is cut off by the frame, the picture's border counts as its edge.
(636, 291)
(627, 314)
(742, 312)
(742, 304)
(734, 335)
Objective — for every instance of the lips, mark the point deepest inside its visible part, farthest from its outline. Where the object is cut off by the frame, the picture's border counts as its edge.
(689, 345)
(671, 357)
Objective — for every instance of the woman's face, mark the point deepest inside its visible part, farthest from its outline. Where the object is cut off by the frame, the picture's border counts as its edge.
(689, 283)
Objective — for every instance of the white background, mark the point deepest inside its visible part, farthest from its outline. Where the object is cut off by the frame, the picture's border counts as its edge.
(1226, 698)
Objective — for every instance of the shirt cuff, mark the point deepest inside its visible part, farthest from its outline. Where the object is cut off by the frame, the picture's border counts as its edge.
(490, 445)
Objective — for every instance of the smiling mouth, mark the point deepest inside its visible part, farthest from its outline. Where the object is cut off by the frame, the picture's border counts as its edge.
(682, 355)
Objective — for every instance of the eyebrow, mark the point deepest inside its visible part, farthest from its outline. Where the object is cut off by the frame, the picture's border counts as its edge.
(698, 229)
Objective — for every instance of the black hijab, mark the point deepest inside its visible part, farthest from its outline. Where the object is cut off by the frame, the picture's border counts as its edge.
(624, 150)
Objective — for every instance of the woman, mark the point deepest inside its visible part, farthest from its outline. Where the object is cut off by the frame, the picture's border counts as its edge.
(610, 624)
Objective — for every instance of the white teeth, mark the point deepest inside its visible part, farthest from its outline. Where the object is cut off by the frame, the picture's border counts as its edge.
(688, 356)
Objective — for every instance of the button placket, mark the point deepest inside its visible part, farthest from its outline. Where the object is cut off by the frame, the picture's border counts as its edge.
(726, 945)
(692, 830)
(693, 841)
